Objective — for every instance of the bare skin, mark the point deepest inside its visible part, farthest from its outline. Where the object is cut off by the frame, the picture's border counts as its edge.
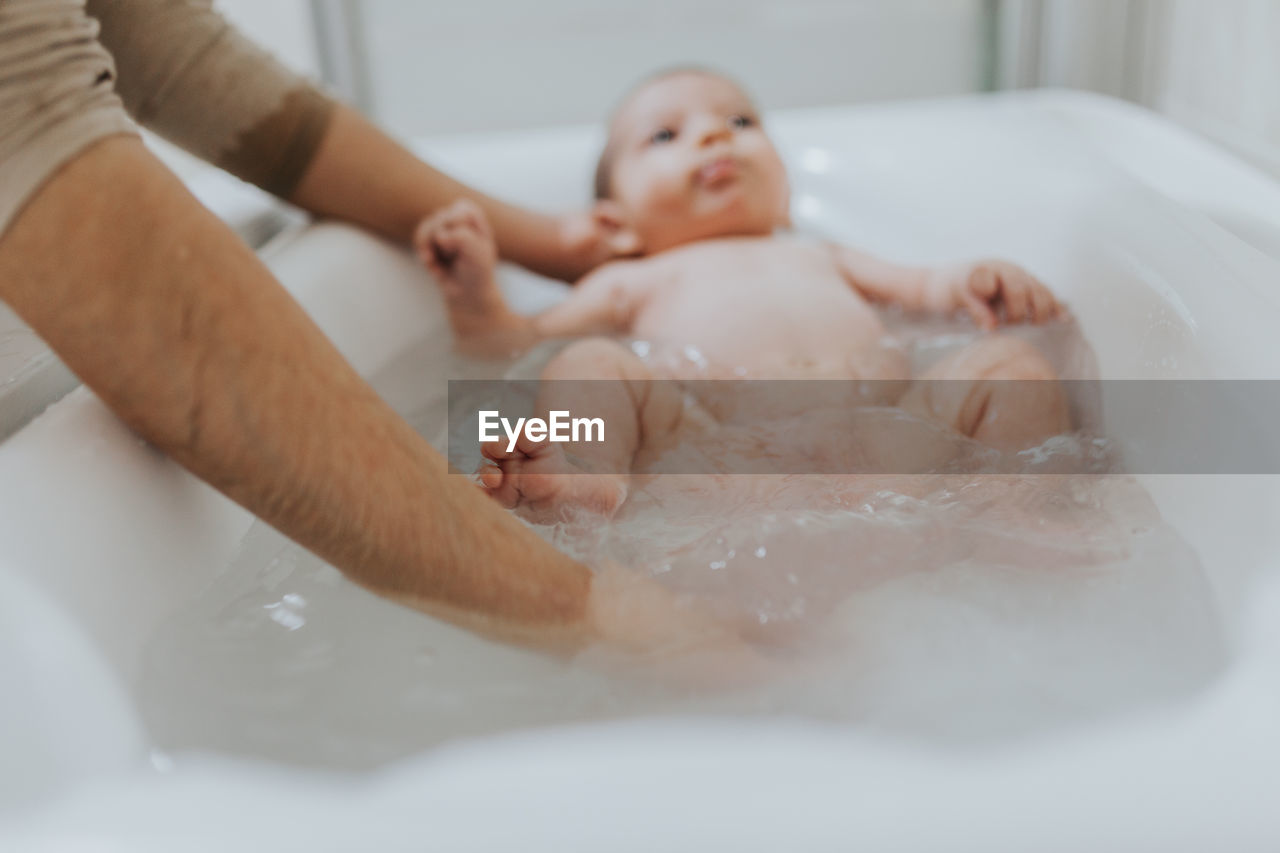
(181, 331)
(699, 191)
(361, 175)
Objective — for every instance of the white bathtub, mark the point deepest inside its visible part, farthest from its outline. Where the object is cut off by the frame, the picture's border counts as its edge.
(1169, 252)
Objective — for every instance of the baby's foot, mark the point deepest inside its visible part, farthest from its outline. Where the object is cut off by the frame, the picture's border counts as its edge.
(541, 482)
(457, 245)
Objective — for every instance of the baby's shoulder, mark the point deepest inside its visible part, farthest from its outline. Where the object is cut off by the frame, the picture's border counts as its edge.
(800, 242)
(619, 274)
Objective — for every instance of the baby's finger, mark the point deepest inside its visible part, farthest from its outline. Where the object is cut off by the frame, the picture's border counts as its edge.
(469, 212)
(978, 309)
(983, 283)
(426, 229)
(468, 243)
(458, 209)
(1013, 292)
(481, 222)
(447, 217)
(1042, 304)
(428, 258)
(446, 243)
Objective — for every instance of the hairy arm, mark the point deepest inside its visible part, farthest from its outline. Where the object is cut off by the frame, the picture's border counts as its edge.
(361, 175)
(178, 327)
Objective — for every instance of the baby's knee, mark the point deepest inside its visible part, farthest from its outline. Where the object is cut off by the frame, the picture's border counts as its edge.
(1004, 357)
(595, 358)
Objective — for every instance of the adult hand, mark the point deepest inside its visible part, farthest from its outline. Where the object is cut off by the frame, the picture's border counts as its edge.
(643, 629)
(584, 240)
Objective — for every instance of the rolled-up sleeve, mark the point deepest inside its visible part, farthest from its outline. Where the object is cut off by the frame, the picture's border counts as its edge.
(187, 74)
(56, 94)
(71, 74)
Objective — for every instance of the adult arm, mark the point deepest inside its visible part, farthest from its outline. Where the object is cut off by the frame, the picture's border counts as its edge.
(186, 73)
(179, 328)
(363, 176)
(185, 335)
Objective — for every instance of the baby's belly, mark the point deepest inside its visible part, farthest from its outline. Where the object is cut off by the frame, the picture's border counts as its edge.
(870, 356)
(826, 338)
(875, 361)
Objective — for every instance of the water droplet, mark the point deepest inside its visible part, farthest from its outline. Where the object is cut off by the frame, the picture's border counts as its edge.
(288, 619)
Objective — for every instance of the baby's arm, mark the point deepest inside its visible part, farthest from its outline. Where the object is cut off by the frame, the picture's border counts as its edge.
(981, 289)
(457, 246)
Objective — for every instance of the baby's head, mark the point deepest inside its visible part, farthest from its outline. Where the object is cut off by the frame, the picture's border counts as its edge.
(687, 159)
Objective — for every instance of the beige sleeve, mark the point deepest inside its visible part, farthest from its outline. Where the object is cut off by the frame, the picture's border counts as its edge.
(56, 95)
(183, 71)
(187, 74)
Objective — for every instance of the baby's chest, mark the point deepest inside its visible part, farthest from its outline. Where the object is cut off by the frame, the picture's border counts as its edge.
(775, 287)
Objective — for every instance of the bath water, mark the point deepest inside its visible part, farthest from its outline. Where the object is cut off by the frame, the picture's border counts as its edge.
(957, 609)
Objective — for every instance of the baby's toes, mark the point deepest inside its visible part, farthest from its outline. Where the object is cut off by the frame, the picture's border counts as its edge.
(503, 484)
(490, 477)
(540, 448)
(497, 451)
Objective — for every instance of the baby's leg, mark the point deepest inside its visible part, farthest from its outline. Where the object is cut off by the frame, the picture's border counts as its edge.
(594, 378)
(999, 390)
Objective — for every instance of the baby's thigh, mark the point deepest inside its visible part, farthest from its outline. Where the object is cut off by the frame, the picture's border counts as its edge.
(602, 378)
(999, 389)
(595, 358)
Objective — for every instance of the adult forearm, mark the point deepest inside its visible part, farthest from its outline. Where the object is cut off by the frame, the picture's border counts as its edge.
(182, 332)
(361, 175)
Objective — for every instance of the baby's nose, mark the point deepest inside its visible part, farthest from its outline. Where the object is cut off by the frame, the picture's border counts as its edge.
(713, 131)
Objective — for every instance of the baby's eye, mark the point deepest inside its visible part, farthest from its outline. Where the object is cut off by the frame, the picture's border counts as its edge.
(740, 122)
(666, 134)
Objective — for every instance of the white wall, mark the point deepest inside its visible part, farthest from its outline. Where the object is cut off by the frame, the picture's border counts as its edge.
(490, 64)
(282, 26)
(1222, 73)
(436, 66)
(1212, 65)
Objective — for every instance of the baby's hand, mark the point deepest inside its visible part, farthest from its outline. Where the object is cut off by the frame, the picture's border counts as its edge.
(988, 289)
(456, 244)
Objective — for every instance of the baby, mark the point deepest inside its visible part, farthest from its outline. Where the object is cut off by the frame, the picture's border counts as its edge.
(691, 191)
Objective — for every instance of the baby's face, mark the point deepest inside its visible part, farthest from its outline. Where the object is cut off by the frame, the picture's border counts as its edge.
(690, 161)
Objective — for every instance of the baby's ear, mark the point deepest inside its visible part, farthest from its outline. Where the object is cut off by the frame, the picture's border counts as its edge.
(622, 239)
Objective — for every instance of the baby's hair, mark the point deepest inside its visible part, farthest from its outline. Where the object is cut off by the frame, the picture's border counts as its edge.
(604, 166)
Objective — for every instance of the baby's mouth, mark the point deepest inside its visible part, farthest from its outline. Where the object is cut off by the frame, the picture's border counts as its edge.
(718, 172)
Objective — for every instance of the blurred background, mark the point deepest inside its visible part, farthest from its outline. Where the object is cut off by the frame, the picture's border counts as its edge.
(424, 68)
(427, 67)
